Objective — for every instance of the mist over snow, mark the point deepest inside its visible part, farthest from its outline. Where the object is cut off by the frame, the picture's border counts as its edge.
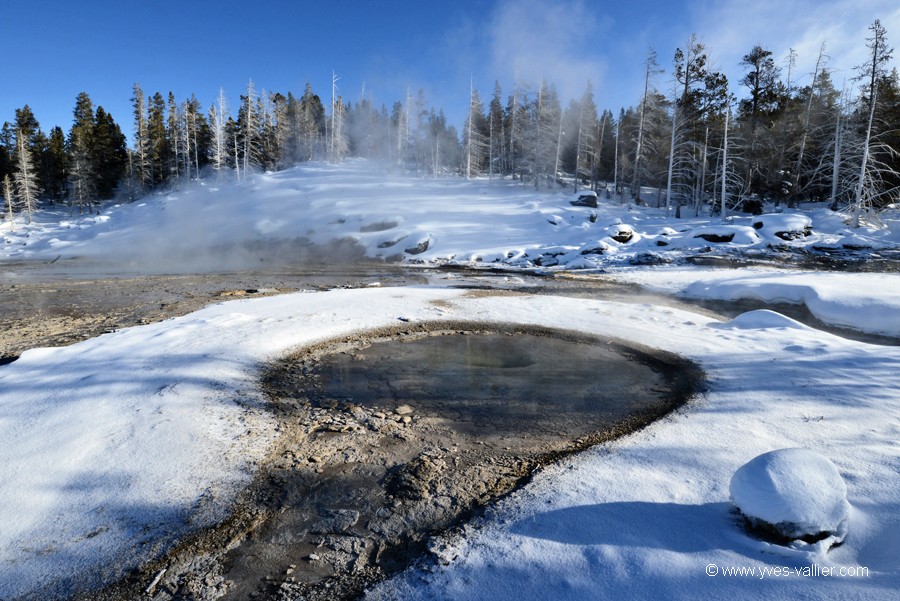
(320, 213)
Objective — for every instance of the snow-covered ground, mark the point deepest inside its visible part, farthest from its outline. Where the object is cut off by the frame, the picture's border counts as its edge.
(111, 447)
(481, 222)
(867, 302)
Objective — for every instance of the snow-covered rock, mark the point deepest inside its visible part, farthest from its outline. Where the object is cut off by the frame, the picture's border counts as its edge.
(797, 493)
(786, 226)
(621, 232)
(585, 198)
(736, 234)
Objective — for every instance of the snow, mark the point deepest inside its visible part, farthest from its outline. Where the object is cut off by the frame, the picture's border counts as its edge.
(115, 446)
(275, 216)
(798, 492)
(651, 511)
(867, 302)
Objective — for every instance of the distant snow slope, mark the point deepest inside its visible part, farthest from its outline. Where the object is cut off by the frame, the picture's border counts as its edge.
(361, 208)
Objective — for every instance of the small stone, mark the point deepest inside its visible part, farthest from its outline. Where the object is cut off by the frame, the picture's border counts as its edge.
(313, 557)
(404, 410)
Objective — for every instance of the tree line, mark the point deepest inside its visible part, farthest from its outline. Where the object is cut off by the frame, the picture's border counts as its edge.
(698, 146)
(695, 146)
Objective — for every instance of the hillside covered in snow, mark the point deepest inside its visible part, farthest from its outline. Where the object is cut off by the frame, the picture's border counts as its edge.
(324, 213)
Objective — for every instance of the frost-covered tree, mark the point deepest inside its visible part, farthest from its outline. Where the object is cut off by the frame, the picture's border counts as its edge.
(218, 142)
(338, 134)
(545, 138)
(10, 201)
(474, 144)
(651, 69)
(193, 136)
(585, 137)
(815, 95)
(249, 120)
(400, 133)
(26, 178)
(141, 164)
(690, 70)
(869, 191)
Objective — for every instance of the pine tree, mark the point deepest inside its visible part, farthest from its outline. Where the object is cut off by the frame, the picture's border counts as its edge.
(81, 144)
(399, 124)
(55, 165)
(546, 136)
(267, 132)
(758, 111)
(311, 125)
(806, 123)
(7, 148)
(158, 139)
(109, 154)
(696, 99)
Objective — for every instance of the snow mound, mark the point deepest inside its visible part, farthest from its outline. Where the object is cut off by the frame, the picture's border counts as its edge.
(794, 494)
(762, 319)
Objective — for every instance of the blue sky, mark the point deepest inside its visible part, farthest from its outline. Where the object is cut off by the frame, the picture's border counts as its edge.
(56, 49)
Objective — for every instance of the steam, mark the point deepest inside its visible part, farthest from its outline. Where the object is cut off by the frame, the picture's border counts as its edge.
(534, 40)
(214, 227)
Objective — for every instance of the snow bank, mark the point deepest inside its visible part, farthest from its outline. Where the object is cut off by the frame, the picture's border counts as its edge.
(868, 302)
